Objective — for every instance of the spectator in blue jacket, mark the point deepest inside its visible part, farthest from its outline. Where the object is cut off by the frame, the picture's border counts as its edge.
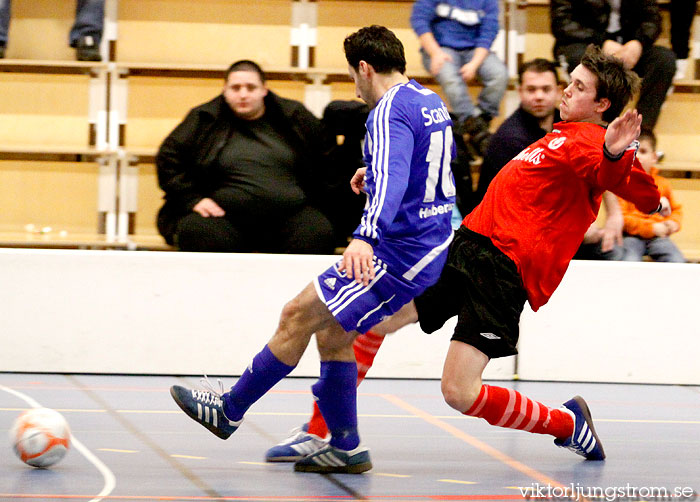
(456, 38)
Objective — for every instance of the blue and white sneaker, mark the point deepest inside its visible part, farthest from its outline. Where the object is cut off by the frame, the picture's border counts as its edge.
(205, 407)
(329, 459)
(298, 445)
(584, 441)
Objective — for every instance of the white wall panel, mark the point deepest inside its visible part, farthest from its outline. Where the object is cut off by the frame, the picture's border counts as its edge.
(188, 313)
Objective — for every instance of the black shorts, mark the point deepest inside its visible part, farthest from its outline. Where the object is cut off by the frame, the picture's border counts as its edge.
(482, 286)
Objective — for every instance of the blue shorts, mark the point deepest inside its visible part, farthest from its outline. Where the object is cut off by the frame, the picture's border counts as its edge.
(357, 307)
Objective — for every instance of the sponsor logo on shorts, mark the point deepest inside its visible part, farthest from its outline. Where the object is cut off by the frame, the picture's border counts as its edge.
(490, 336)
(330, 282)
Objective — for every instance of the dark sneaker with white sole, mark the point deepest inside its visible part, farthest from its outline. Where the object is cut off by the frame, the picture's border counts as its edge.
(298, 445)
(329, 459)
(584, 441)
(205, 407)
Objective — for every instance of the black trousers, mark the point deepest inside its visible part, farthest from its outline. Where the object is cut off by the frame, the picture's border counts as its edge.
(656, 67)
(682, 14)
(304, 231)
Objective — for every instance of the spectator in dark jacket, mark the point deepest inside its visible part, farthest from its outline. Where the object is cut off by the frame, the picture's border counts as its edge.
(243, 173)
(627, 31)
(540, 91)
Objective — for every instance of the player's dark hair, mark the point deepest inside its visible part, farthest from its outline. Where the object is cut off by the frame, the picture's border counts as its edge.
(614, 81)
(648, 135)
(377, 46)
(539, 65)
(246, 65)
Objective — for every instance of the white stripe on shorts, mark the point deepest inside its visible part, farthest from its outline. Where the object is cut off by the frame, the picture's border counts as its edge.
(348, 289)
(337, 308)
(425, 261)
(374, 310)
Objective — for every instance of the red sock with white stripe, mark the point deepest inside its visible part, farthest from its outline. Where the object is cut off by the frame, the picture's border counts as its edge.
(365, 348)
(509, 408)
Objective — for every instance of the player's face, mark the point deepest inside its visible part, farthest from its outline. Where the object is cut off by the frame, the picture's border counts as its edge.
(244, 92)
(363, 87)
(579, 101)
(539, 93)
(646, 155)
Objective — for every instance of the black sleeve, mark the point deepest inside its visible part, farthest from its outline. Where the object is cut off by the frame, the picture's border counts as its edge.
(175, 164)
(503, 146)
(565, 25)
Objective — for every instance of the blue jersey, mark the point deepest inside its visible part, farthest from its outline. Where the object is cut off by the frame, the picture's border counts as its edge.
(409, 183)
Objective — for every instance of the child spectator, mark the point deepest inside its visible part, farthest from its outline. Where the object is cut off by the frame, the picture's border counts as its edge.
(648, 234)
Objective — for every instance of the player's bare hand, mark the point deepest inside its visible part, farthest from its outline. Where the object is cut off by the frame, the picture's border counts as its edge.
(357, 262)
(665, 207)
(623, 131)
(207, 207)
(357, 183)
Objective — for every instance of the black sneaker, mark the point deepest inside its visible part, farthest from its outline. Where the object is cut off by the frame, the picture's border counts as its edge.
(206, 408)
(87, 50)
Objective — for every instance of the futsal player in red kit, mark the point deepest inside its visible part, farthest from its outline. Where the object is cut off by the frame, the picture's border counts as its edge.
(517, 244)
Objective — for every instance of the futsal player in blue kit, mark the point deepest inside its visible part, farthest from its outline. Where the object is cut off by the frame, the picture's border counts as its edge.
(397, 251)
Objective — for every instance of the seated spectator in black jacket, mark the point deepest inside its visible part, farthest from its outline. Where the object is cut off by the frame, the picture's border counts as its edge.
(624, 28)
(242, 173)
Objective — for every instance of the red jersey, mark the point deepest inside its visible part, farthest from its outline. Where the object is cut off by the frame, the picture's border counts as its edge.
(539, 206)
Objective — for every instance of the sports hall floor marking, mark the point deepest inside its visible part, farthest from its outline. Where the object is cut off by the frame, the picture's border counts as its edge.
(109, 479)
(361, 415)
(145, 439)
(114, 450)
(458, 481)
(471, 440)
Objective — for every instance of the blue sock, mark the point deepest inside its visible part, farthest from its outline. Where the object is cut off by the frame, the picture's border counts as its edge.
(336, 394)
(262, 374)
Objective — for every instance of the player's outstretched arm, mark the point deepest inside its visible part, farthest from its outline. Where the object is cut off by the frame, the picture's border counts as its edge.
(622, 131)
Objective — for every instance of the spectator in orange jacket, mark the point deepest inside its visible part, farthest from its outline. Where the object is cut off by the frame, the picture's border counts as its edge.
(648, 234)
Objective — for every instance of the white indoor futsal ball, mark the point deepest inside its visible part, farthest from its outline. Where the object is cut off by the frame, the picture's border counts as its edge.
(40, 437)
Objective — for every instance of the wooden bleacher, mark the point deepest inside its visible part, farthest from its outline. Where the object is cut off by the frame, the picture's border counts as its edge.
(63, 164)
